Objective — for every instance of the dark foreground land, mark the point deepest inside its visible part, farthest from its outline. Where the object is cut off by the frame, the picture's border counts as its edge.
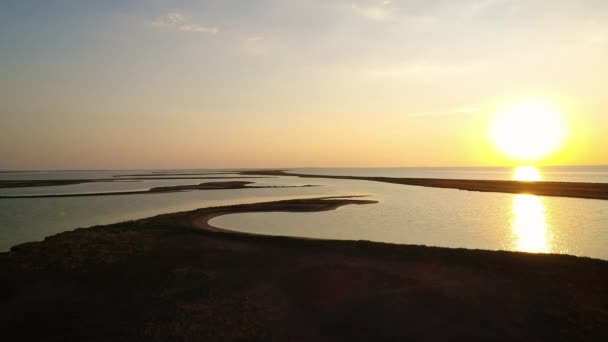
(175, 278)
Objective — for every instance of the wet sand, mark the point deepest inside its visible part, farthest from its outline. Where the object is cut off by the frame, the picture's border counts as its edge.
(555, 189)
(175, 278)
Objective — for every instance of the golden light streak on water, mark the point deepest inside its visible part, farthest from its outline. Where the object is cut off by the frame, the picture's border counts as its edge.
(530, 225)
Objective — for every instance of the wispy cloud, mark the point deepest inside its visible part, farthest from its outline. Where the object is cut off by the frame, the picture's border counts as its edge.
(380, 11)
(179, 22)
(477, 7)
(455, 111)
(595, 33)
(254, 39)
(424, 69)
(257, 45)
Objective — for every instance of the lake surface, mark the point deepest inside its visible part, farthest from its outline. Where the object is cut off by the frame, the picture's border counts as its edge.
(404, 214)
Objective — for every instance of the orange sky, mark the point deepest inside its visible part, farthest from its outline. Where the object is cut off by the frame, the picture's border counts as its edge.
(218, 84)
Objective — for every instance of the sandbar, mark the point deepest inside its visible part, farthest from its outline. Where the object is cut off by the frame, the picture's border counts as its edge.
(541, 188)
(164, 189)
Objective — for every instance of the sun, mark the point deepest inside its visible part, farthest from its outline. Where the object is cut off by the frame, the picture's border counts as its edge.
(526, 174)
(528, 131)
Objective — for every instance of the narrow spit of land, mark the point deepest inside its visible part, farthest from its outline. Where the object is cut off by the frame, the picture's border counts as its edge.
(165, 189)
(28, 183)
(158, 173)
(555, 189)
(175, 278)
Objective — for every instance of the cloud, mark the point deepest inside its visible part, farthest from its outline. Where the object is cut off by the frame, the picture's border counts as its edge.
(254, 39)
(480, 6)
(595, 33)
(419, 69)
(179, 22)
(468, 110)
(380, 11)
(257, 45)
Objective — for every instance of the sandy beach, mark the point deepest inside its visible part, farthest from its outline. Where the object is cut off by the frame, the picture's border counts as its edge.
(175, 278)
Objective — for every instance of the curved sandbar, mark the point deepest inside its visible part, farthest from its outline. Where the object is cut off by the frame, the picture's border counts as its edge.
(200, 219)
(555, 189)
(158, 279)
(165, 189)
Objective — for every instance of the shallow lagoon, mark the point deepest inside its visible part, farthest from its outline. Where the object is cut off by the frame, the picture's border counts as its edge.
(404, 214)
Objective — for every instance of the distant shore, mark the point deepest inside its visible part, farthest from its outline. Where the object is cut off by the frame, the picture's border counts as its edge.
(29, 183)
(583, 190)
(541, 188)
(175, 277)
(231, 185)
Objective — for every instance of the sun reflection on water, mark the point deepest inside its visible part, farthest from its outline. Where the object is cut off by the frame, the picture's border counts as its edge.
(529, 224)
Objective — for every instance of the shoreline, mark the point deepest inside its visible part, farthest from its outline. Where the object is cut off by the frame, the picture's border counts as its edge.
(597, 191)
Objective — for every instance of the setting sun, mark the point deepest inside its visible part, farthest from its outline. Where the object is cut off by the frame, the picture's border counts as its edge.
(528, 131)
(526, 174)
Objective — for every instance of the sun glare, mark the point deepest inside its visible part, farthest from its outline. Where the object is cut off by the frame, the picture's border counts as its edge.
(528, 131)
(526, 174)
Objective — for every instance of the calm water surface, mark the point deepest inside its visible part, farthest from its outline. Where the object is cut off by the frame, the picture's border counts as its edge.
(405, 214)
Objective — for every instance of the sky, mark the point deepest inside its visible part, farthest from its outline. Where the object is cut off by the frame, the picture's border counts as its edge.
(292, 83)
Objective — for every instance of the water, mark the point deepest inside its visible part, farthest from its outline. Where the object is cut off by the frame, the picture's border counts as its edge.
(405, 214)
(447, 218)
(32, 219)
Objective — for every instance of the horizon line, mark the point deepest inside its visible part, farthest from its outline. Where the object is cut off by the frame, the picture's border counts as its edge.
(289, 168)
